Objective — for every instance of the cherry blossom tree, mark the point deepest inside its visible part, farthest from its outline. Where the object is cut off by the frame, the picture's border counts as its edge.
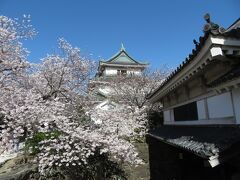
(12, 54)
(129, 118)
(13, 65)
(121, 121)
(132, 90)
(65, 78)
(64, 75)
(43, 106)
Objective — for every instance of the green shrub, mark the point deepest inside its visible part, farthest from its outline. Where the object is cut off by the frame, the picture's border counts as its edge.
(32, 144)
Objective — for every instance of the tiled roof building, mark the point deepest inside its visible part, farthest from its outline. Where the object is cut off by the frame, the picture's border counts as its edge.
(120, 64)
(200, 136)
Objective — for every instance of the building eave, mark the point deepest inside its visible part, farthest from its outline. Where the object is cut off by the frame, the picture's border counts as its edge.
(233, 25)
(206, 50)
(108, 64)
(213, 48)
(183, 68)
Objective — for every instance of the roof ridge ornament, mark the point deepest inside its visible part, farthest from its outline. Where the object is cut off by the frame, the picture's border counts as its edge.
(211, 27)
(122, 47)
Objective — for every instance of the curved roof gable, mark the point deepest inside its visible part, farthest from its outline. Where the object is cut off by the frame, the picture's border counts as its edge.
(122, 57)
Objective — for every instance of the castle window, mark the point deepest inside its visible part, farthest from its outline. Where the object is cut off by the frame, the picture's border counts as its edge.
(187, 112)
(122, 72)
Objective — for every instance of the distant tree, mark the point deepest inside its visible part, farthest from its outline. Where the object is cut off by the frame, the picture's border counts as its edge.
(129, 118)
(132, 90)
(121, 121)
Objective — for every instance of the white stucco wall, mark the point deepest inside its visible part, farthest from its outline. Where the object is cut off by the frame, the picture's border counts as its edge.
(236, 104)
(110, 72)
(202, 114)
(113, 71)
(218, 109)
(220, 106)
(167, 115)
(136, 72)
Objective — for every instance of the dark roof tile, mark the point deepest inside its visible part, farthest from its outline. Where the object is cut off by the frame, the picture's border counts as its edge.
(204, 141)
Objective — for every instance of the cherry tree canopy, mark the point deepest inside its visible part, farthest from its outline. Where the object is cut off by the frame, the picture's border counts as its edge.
(49, 100)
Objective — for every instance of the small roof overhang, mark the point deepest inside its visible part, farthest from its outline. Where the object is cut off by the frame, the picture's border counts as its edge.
(107, 64)
(211, 143)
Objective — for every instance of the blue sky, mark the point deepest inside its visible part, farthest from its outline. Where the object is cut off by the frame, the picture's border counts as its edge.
(157, 31)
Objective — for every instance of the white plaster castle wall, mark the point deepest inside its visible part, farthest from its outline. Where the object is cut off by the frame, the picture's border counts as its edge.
(110, 72)
(201, 109)
(236, 104)
(113, 71)
(219, 109)
(167, 115)
(220, 106)
(136, 72)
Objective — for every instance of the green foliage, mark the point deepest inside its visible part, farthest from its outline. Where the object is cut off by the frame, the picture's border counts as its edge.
(137, 130)
(32, 144)
(155, 119)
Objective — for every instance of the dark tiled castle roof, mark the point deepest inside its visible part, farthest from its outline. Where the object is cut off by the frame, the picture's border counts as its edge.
(204, 141)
